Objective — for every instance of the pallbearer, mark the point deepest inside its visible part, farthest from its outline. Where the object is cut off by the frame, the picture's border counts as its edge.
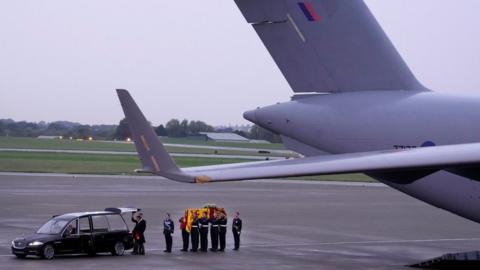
(185, 233)
(203, 224)
(236, 230)
(194, 232)
(222, 230)
(214, 231)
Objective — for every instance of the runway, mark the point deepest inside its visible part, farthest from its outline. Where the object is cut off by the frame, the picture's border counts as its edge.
(287, 224)
(122, 153)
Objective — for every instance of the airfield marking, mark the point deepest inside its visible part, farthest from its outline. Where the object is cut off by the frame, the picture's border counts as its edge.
(364, 242)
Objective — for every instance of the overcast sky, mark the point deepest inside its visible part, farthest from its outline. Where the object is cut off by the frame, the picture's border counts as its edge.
(62, 60)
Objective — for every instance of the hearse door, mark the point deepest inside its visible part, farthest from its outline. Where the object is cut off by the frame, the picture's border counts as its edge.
(70, 241)
(85, 233)
(118, 230)
(100, 233)
(126, 213)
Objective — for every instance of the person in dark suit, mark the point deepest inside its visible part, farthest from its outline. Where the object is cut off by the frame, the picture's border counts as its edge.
(214, 232)
(138, 233)
(222, 231)
(236, 230)
(168, 229)
(203, 224)
(194, 232)
(185, 233)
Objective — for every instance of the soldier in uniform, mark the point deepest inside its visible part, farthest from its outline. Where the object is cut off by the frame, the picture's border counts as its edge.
(214, 232)
(203, 224)
(222, 230)
(138, 233)
(194, 232)
(185, 234)
(236, 230)
(168, 228)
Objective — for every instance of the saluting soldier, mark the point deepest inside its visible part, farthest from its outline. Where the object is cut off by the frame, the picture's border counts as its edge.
(185, 234)
(194, 232)
(236, 230)
(214, 232)
(222, 230)
(203, 224)
(138, 233)
(168, 229)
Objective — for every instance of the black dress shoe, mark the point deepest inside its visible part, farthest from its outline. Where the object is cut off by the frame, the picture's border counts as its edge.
(221, 250)
(235, 249)
(183, 250)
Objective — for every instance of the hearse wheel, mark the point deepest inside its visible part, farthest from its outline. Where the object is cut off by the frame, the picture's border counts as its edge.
(118, 249)
(48, 252)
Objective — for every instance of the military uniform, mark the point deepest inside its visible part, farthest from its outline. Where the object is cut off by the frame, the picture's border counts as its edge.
(222, 232)
(185, 234)
(236, 230)
(214, 233)
(168, 228)
(194, 234)
(203, 224)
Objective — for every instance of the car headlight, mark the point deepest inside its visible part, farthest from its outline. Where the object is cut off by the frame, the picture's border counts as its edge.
(35, 243)
(13, 243)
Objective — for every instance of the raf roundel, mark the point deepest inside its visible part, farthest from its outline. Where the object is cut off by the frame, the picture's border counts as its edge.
(428, 144)
(309, 11)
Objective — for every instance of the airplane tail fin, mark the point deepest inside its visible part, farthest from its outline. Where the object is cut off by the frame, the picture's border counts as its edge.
(152, 153)
(328, 45)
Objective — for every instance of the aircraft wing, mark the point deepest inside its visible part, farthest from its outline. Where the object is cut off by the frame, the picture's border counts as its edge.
(458, 159)
(419, 160)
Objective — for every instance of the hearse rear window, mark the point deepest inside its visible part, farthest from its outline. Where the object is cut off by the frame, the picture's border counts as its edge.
(100, 223)
(84, 225)
(116, 223)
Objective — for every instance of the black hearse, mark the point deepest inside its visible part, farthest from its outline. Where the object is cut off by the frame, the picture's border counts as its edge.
(76, 233)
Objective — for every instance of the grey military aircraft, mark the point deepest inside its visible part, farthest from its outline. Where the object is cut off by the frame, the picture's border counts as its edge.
(357, 108)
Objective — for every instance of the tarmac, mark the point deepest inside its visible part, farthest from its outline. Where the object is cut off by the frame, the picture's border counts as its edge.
(287, 224)
(122, 153)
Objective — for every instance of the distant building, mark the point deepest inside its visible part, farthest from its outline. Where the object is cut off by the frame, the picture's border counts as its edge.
(259, 141)
(49, 137)
(223, 137)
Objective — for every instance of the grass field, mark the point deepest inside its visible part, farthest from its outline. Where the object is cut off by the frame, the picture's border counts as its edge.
(118, 164)
(277, 146)
(351, 177)
(34, 143)
(84, 163)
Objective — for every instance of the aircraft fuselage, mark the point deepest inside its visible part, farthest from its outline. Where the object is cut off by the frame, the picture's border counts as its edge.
(385, 120)
(376, 120)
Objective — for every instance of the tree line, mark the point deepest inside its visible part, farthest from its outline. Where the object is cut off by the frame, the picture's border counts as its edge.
(9, 127)
(173, 128)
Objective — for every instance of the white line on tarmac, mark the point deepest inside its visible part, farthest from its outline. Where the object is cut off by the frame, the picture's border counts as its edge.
(362, 242)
